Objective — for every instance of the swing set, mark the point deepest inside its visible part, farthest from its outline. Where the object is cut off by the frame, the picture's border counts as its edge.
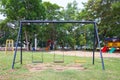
(19, 38)
(56, 59)
(33, 56)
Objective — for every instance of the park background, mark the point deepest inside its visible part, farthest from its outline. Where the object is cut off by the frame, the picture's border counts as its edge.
(71, 36)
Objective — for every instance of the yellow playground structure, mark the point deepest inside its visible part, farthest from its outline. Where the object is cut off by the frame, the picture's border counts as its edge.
(113, 42)
(9, 45)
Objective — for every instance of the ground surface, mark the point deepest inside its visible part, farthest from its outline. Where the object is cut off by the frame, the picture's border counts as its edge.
(69, 70)
(87, 53)
(52, 66)
(59, 67)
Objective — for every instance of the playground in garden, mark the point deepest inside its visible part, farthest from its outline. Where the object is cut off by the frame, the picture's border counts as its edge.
(30, 70)
(77, 62)
(62, 60)
(37, 54)
(61, 43)
(69, 68)
(60, 40)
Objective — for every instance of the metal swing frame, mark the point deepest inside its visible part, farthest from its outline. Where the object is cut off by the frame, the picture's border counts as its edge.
(96, 38)
(41, 54)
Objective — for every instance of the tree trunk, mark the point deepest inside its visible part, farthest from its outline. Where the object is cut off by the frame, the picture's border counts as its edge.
(26, 38)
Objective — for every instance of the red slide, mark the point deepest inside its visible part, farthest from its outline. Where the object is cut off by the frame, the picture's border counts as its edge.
(104, 49)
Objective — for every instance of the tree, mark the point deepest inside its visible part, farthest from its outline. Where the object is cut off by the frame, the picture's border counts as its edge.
(16, 10)
(6, 30)
(70, 13)
(103, 12)
(115, 22)
(53, 12)
(27, 9)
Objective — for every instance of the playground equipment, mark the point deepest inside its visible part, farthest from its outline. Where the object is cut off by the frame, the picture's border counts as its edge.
(96, 38)
(39, 55)
(112, 50)
(9, 45)
(104, 49)
(112, 44)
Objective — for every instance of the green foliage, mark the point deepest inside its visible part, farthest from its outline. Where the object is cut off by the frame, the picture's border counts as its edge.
(106, 13)
(71, 11)
(7, 32)
(16, 10)
(116, 19)
(82, 40)
(24, 9)
(52, 11)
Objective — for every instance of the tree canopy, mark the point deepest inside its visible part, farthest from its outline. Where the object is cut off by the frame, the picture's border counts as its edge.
(104, 12)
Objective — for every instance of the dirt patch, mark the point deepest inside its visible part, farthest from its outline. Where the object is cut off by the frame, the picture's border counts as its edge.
(37, 67)
(76, 67)
(4, 77)
(1, 78)
(56, 67)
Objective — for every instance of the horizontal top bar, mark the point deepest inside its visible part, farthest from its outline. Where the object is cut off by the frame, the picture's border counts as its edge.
(47, 21)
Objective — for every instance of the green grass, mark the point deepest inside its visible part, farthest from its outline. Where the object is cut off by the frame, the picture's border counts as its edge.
(92, 72)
